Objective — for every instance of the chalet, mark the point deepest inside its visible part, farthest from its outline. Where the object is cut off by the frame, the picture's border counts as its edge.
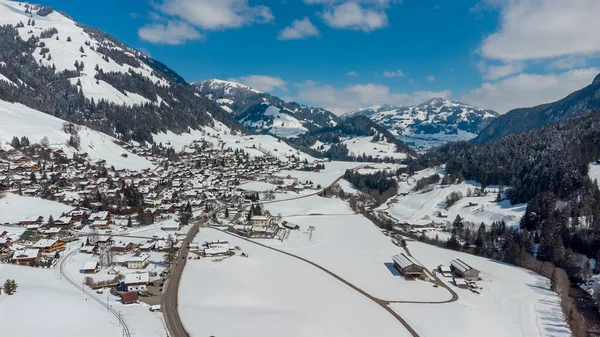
(138, 262)
(47, 246)
(31, 221)
(136, 282)
(25, 256)
(88, 249)
(407, 266)
(463, 269)
(99, 216)
(147, 246)
(100, 224)
(170, 226)
(129, 297)
(63, 221)
(90, 267)
(122, 246)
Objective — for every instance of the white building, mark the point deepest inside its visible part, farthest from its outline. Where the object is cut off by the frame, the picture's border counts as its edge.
(260, 220)
(136, 282)
(138, 262)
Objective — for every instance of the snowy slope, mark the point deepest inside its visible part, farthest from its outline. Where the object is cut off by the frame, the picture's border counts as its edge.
(282, 125)
(222, 137)
(358, 146)
(17, 120)
(57, 308)
(14, 208)
(424, 206)
(64, 53)
(432, 123)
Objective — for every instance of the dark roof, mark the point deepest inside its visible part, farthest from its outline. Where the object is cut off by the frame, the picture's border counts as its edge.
(130, 297)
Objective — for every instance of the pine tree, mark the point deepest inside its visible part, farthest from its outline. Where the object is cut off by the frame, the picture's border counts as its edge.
(10, 286)
(129, 223)
(68, 39)
(81, 50)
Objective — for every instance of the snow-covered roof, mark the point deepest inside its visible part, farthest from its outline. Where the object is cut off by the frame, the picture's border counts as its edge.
(90, 265)
(43, 243)
(460, 265)
(404, 261)
(136, 278)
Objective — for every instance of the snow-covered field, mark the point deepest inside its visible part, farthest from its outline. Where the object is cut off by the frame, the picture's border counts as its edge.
(326, 177)
(46, 305)
(513, 301)
(272, 295)
(17, 120)
(313, 204)
(358, 146)
(257, 186)
(424, 142)
(14, 208)
(355, 249)
(424, 206)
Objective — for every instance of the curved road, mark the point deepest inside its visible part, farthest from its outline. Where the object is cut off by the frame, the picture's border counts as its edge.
(82, 288)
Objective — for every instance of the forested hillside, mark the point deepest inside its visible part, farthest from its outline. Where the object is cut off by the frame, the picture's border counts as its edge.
(82, 75)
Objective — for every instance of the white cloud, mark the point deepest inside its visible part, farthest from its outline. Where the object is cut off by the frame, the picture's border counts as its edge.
(352, 16)
(525, 90)
(352, 73)
(495, 72)
(173, 33)
(393, 73)
(568, 62)
(431, 78)
(541, 29)
(261, 82)
(202, 14)
(341, 100)
(299, 29)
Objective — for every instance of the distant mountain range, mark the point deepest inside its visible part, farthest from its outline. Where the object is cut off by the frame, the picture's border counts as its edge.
(525, 119)
(432, 123)
(262, 112)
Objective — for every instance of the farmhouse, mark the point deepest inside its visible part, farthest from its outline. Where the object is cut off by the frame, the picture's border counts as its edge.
(463, 269)
(49, 245)
(90, 267)
(136, 282)
(407, 266)
(25, 256)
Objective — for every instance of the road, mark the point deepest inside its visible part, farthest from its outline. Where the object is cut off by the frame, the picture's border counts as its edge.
(81, 287)
(170, 291)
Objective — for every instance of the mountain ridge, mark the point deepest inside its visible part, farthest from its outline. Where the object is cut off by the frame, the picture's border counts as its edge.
(525, 119)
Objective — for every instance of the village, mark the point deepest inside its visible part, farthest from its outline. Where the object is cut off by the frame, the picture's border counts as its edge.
(124, 225)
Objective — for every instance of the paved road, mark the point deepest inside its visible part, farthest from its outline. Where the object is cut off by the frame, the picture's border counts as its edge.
(92, 296)
(171, 288)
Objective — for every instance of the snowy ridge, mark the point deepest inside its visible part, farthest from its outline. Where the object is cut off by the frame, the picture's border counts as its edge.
(81, 48)
(432, 123)
(263, 112)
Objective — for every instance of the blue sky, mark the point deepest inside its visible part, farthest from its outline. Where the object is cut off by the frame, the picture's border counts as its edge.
(348, 54)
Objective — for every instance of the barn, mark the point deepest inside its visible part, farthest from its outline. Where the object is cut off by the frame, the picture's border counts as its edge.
(407, 266)
(463, 269)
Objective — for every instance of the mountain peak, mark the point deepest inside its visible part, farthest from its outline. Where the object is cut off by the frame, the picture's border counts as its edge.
(435, 101)
(596, 80)
(215, 83)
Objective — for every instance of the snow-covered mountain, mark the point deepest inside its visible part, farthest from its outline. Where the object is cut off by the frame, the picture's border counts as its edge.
(55, 65)
(524, 119)
(432, 123)
(265, 113)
